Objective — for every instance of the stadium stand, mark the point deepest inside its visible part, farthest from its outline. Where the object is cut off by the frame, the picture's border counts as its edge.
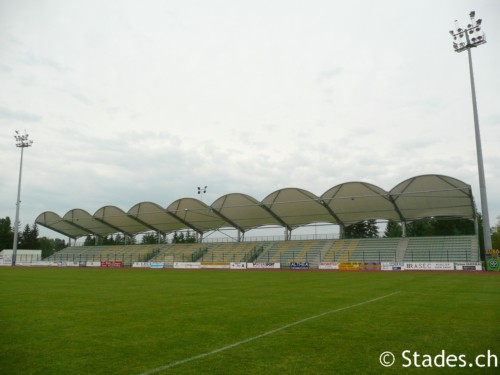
(189, 252)
(375, 250)
(293, 251)
(411, 249)
(230, 252)
(341, 250)
(441, 249)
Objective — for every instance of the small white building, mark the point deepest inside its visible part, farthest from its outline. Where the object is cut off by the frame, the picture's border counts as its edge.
(24, 255)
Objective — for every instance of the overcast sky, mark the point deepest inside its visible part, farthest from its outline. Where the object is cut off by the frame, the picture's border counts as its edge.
(144, 100)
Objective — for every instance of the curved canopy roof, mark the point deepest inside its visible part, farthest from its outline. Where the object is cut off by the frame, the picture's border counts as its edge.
(348, 203)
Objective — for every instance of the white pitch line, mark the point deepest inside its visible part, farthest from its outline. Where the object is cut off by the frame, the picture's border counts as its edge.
(190, 359)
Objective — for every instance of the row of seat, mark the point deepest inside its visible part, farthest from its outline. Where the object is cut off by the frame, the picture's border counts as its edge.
(452, 249)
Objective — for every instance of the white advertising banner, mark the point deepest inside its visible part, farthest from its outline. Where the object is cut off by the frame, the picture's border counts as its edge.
(140, 265)
(263, 265)
(392, 266)
(328, 265)
(70, 264)
(468, 266)
(238, 265)
(429, 266)
(215, 265)
(187, 265)
(93, 264)
(39, 263)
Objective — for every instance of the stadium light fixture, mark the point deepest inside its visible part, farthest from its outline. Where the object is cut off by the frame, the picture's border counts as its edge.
(202, 191)
(22, 141)
(464, 40)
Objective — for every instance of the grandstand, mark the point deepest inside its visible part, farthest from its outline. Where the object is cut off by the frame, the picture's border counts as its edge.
(348, 203)
(442, 249)
(125, 254)
(188, 252)
(411, 249)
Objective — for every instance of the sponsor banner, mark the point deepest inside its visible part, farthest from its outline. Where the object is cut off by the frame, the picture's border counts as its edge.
(112, 264)
(299, 265)
(392, 266)
(41, 263)
(238, 265)
(70, 264)
(140, 265)
(429, 266)
(468, 266)
(371, 266)
(156, 265)
(82, 264)
(35, 263)
(23, 264)
(263, 265)
(352, 266)
(187, 265)
(328, 265)
(492, 258)
(220, 265)
(93, 264)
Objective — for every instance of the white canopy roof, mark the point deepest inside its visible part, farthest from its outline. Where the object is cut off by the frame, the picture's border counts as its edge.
(344, 204)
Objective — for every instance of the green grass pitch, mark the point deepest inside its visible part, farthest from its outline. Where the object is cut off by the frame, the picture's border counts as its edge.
(129, 321)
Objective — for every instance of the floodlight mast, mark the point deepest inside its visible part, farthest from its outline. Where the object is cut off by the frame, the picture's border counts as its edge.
(474, 36)
(22, 142)
(201, 191)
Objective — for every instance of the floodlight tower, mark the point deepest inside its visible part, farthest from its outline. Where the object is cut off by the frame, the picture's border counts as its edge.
(22, 142)
(202, 191)
(464, 40)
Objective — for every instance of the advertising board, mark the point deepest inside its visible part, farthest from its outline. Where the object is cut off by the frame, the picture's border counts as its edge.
(238, 265)
(299, 265)
(468, 266)
(392, 266)
(156, 265)
(218, 265)
(264, 265)
(187, 265)
(328, 265)
(492, 258)
(429, 266)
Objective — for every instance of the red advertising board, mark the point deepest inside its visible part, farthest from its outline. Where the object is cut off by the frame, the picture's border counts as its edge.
(112, 264)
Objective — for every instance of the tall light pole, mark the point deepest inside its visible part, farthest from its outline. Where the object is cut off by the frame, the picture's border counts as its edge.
(464, 40)
(22, 142)
(202, 191)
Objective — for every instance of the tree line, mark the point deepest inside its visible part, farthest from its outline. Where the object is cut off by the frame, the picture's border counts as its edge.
(147, 239)
(28, 239)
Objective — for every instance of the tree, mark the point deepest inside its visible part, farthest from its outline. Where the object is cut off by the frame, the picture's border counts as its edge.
(6, 234)
(181, 238)
(47, 246)
(441, 227)
(393, 229)
(119, 239)
(28, 239)
(363, 229)
(495, 235)
(59, 244)
(419, 228)
(89, 241)
(50, 246)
